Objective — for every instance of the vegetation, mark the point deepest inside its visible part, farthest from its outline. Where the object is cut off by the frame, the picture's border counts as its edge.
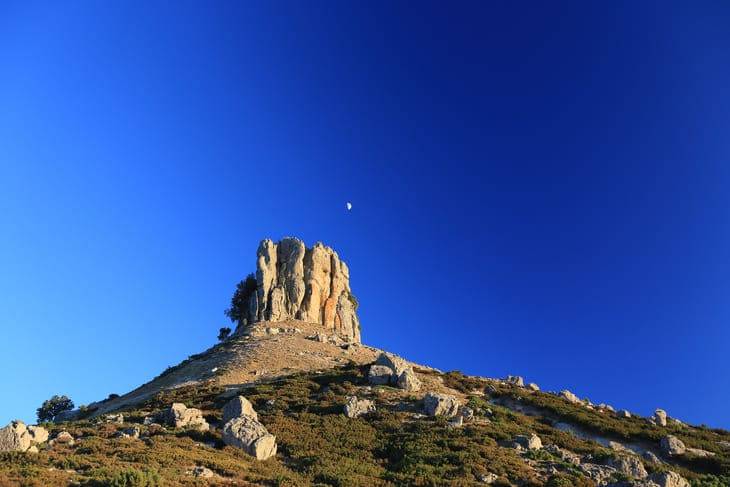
(52, 407)
(241, 298)
(319, 446)
(224, 333)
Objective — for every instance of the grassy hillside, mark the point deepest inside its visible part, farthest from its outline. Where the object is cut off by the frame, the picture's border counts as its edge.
(318, 445)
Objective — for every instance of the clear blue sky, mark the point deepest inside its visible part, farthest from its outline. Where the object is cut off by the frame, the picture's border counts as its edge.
(539, 189)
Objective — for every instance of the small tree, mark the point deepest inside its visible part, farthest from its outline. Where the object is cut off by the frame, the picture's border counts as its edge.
(241, 298)
(224, 333)
(53, 407)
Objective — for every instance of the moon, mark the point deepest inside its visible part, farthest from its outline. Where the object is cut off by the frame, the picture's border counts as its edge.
(349, 206)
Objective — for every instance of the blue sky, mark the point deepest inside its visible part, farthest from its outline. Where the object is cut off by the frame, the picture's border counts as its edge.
(538, 189)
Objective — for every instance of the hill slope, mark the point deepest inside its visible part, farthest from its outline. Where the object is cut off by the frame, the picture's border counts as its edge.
(298, 382)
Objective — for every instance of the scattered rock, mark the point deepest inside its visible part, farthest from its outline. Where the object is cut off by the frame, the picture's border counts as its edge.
(672, 446)
(237, 407)
(660, 417)
(531, 442)
(515, 380)
(251, 436)
(357, 407)
(15, 437)
(629, 465)
(114, 418)
(569, 396)
(132, 432)
(201, 472)
(63, 438)
(435, 404)
(533, 387)
(489, 478)
(624, 413)
(180, 416)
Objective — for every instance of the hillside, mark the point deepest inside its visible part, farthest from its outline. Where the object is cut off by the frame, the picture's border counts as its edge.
(290, 402)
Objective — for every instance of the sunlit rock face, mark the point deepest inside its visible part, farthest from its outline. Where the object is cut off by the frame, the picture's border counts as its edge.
(307, 284)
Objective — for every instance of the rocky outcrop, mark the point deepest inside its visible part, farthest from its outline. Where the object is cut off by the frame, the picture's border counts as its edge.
(18, 437)
(300, 283)
(14, 437)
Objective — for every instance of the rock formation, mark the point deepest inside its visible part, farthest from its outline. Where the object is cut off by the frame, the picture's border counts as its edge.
(300, 283)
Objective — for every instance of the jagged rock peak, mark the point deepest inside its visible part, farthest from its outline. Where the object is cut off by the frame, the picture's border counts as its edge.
(307, 284)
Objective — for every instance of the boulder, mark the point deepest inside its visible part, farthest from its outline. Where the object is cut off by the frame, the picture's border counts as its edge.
(529, 442)
(63, 438)
(379, 374)
(180, 416)
(624, 413)
(488, 478)
(355, 407)
(15, 437)
(660, 417)
(533, 387)
(672, 446)
(515, 380)
(238, 406)
(435, 404)
(569, 396)
(629, 465)
(408, 381)
(251, 436)
(395, 363)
